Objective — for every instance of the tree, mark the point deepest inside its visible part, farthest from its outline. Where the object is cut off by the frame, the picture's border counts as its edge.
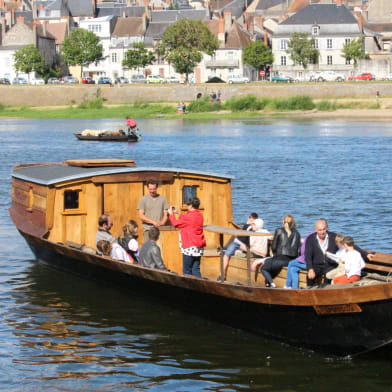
(353, 50)
(137, 57)
(29, 59)
(183, 44)
(83, 48)
(257, 55)
(302, 50)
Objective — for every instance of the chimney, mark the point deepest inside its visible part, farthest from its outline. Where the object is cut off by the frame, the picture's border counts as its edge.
(338, 2)
(359, 17)
(221, 32)
(144, 22)
(228, 21)
(20, 19)
(259, 21)
(266, 41)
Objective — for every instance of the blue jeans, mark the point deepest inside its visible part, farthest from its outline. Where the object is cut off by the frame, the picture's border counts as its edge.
(231, 248)
(191, 265)
(293, 269)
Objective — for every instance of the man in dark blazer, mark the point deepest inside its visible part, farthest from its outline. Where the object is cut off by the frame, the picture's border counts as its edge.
(317, 263)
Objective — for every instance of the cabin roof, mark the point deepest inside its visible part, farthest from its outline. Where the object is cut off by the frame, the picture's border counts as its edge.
(50, 174)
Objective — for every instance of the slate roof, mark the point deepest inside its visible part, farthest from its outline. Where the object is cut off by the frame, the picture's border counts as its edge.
(174, 15)
(322, 14)
(236, 7)
(156, 30)
(81, 8)
(27, 15)
(265, 4)
(121, 11)
(333, 20)
(128, 27)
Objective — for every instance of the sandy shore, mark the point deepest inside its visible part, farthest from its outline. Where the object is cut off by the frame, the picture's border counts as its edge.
(347, 114)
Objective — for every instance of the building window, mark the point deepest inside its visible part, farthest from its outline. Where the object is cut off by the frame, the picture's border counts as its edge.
(315, 30)
(188, 192)
(283, 60)
(347, 41)
(71, 200)
(348, 61)
(329, 60)
(316, 44)
(94, 28)
(283, 44)
(114, 57)
(329, 43)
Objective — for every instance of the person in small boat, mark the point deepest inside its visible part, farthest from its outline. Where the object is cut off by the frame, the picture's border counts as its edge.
(240, 243)
(113, 250)
(131, 126)
(353, 263)
(128, 239)
(317, 245)
(152, 208)
(285, 247)
(150, 254)
(105, 223)
(192, 241)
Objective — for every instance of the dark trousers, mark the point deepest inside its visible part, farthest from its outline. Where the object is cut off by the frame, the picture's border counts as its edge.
(273, 265)
(191, 265)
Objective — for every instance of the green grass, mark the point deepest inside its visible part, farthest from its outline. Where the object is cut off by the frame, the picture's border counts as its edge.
(248, 106)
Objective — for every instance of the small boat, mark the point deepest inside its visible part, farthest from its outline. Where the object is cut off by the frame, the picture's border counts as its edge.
(107, 136)
(56, 206)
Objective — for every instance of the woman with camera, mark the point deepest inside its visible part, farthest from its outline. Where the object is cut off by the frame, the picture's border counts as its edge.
(192, 241)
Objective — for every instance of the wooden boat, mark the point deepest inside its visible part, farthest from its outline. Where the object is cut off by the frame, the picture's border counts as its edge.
(105, 136)
(55, 207)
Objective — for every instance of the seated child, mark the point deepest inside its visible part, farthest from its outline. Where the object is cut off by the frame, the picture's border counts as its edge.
(353, 263)
(113, 250)
(338, 257)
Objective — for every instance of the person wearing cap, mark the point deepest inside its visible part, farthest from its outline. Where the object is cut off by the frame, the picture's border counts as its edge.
(192, 241)
(286, 246)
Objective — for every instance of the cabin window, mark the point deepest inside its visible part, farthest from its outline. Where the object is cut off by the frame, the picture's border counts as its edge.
(71, 200)
(188, 192)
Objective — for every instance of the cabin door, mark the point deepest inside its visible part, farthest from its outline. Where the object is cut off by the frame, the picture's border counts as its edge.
(120, 201)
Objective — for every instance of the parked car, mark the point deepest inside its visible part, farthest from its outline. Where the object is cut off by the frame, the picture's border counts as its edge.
(4, 81)
(37, 81)
(155, 79)
(282, 78)
(138, 78)
(237, 79)
(388, 77)
(173, 79)
(69, 80)
(53, 80)
(19, 81)
(104, 80)
(362, 76)
(327, 76)
(88, 80)
(121, 80)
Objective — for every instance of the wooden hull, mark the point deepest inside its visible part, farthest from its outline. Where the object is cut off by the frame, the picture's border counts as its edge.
(344, 324)
(109, 138)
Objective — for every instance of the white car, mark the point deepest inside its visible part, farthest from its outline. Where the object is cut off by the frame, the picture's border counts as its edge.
(237, 79)
(37, 81)
(173, 79)
(327, 76)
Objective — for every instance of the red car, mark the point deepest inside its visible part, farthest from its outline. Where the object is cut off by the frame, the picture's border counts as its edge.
(362, 76)
(88, 80)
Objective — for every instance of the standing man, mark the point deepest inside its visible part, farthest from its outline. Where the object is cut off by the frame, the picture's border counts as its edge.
(105, 223)
(152, 208)
(317, 263)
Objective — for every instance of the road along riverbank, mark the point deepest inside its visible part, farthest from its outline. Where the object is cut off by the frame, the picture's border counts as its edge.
(55, 95)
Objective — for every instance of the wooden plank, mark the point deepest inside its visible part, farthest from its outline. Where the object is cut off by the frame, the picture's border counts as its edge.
(235, 232)
(100, 162)
(133, 177)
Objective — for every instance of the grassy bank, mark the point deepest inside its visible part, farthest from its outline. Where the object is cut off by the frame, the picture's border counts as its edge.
(248, 106)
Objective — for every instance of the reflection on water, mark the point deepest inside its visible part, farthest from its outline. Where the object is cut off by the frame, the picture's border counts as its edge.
(61, 332)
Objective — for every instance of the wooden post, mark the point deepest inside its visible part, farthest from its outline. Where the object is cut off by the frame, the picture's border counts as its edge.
(221, 253)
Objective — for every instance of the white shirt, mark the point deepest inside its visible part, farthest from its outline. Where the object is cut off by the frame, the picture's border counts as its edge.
(353, 263)
(119, 253)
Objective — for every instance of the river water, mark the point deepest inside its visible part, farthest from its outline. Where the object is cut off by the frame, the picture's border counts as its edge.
(59, 332)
